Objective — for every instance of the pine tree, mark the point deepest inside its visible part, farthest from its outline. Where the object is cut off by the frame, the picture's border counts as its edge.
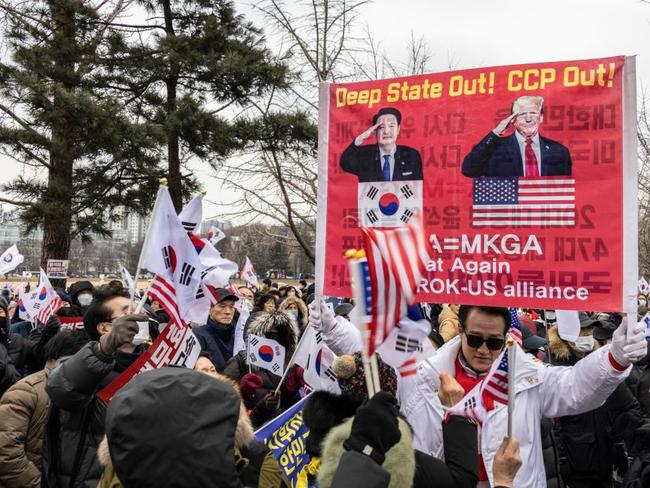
(192, 74)
(62, 117)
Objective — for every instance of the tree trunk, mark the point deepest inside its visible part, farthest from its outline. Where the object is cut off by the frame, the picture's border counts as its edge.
(57, 199)
(173, 156)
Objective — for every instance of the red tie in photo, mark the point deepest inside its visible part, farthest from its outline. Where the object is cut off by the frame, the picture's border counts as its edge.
(531, 159)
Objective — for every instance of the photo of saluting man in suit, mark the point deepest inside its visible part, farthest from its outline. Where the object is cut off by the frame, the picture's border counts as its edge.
(384, 160)
(524, 152)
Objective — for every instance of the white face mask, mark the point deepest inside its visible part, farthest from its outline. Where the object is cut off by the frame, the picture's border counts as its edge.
(584, 343)
(85, 299)
(293, 313)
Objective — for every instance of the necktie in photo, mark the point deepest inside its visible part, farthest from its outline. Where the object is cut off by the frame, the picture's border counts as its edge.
(386, 167)
(531, 159)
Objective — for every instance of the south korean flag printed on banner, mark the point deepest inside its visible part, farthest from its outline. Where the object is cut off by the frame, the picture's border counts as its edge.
(388, 203)
(266, 353)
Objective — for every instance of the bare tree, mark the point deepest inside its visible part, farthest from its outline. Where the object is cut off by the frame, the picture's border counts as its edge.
(320, 40)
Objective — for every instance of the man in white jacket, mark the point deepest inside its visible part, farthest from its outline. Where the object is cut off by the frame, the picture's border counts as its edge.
(540, 390)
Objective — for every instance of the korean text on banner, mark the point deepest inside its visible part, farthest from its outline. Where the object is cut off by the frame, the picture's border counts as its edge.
(507, 166)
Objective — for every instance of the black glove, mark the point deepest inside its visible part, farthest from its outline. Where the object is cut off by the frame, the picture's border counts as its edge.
(375, 428)
(123, 331)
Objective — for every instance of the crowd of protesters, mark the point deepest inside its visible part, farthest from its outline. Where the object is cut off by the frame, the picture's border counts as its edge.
(582, 415)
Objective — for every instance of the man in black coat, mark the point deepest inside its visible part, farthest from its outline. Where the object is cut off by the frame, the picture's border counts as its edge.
(76, 424)
(384, 161)
(522, 153)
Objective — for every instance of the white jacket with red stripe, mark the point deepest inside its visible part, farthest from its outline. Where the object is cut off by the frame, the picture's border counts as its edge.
(540, 391)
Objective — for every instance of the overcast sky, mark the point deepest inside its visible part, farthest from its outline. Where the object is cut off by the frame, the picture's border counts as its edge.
(482, 33)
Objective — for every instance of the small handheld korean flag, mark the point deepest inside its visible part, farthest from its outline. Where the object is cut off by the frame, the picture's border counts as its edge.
(10, 260)
(266, 353)
(316, 359)
(389, 203)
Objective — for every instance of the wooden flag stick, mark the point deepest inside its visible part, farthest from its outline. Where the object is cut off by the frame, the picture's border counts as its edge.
(512, 353)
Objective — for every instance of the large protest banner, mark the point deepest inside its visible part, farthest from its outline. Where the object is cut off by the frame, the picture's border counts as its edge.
(526, 201)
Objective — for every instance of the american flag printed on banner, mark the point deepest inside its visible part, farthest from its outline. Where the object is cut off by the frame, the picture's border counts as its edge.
(547, 201)
(397, 259)
(515, 326)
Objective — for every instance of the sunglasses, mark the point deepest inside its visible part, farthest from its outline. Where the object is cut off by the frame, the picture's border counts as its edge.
(493, 343)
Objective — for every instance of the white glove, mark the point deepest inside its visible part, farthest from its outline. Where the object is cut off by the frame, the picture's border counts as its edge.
(314, 314)
(328, 320)
(629, 349)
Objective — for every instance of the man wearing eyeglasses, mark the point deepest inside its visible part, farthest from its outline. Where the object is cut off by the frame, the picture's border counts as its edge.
(515, 147)
(217, 336)
(540, 391)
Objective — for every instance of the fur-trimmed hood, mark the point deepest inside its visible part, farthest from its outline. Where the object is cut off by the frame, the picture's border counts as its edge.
(559, 348)
(400, 459)
(303, 314)
(261, 323)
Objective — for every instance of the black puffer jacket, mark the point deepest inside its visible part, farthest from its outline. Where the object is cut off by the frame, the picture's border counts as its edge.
(639, 383)
(76, 424)
(594, 443)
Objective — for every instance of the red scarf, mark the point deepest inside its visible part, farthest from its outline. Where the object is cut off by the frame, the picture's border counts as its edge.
(468, 381)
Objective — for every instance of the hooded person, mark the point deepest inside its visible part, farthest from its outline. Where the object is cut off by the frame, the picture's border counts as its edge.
(173, 427)
(294, 306)
(81, 295)
(255, 464)
(257, 385)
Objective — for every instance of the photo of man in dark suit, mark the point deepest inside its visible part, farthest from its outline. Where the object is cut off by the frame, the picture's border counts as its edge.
(524, 152)
(385, 160)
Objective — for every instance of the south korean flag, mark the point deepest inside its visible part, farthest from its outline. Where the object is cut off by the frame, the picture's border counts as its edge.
(266, 353)
(388, 203)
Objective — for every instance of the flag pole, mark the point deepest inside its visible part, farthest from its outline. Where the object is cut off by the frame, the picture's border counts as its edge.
(136, 277)
(512, 353)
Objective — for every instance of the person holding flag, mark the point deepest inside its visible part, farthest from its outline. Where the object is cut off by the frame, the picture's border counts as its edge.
(539, 391)
(271, 340)
(76, 424)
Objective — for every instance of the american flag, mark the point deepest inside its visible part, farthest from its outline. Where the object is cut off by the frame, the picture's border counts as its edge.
(495, 384)
(50, 309)
(515, 326)
(397, 259)
(48, 297)
(547, 201)
(162, 290)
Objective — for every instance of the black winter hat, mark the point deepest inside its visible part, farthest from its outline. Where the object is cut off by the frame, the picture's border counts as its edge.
(78, 287)
(174, 427)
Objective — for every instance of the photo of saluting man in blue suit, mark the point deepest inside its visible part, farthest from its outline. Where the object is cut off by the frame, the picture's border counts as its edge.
(524, 152)
(385, 160)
